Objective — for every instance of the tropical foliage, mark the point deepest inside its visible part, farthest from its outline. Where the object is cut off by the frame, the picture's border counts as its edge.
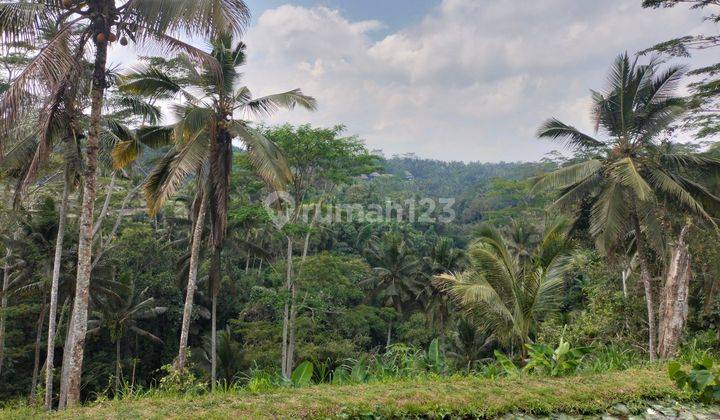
(143, 248)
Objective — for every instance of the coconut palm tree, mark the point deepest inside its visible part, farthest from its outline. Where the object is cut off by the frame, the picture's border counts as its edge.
(629, 177)
(202, 138)
(443, 258)
(468, 346)
(396, 270)
(119, 313)
(503, 296)
(230, 356)
(91, 26)
(66, 138)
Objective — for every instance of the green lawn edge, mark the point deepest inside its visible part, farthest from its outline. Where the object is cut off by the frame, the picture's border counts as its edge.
(426, 397)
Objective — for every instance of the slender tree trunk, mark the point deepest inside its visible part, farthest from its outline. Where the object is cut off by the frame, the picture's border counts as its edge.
(441, 340)
(106, 205)
(134, 362)
(291, 331)
(118, 367)
(3, 306)
(66, 361)
(248, 258)
(52, 317)
(674, 304)
(82, 287)
(118, 220)
(286, 310)
(38, 343)
(290, 357)
(192, 284)
(625, 276)
(214, 281)
(213, 345)
(389, 334)
(646, 277)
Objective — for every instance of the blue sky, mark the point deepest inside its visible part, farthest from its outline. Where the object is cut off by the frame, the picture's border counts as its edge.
(393, 13)
(468, 80)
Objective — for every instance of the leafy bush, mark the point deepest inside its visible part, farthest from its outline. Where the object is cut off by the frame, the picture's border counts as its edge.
(543, 359)
(399, 361)
(703, 379)
(259, 381)
(561, 361)
(302, 375)
(180, 382)
(434, 359)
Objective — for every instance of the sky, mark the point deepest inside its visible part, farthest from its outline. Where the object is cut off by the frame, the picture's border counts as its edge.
(467, 80)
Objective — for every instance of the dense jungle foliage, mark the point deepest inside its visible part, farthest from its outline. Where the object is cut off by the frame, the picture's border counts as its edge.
(155, 237)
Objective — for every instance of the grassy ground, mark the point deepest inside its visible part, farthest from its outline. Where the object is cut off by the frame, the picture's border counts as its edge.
(465, 396)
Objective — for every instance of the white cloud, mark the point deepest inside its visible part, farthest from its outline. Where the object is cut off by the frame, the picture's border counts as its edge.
(471, 81)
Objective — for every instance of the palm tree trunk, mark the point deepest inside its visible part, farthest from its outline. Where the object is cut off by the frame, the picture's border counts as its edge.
(646, 277)
(82, 287)
(57, 263)
(106, 204)
(134, 362)
(38, 342)
(66, 361)
(3, 306)
(213, 345)
(192, 285)
(214, 281)
(117, 366)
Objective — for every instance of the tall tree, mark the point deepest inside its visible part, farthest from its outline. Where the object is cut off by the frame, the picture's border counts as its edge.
(320, 159)
(629, 175)
(397, 270)
(443, 258)
(203, 135)
(93, 25)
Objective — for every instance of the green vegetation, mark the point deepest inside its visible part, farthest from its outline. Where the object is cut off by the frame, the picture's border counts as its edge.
(432, 396)
(201, 263)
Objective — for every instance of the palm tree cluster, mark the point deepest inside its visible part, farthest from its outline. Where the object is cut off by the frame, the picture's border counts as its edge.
(42, 107)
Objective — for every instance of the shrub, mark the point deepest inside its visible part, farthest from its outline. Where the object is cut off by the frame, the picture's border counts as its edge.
(180, 382)
(703, 379)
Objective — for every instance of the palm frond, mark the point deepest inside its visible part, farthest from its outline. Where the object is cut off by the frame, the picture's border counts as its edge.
(555, 129)
(567, 175)
(267, 105)
(172, 169)
(625, 172)
(22, 21)
(608, 215)
(149, 81)
(207, 18)
(266, 156)
(41, 76)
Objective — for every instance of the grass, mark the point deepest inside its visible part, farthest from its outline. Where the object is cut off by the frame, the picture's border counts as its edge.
(426, 397)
